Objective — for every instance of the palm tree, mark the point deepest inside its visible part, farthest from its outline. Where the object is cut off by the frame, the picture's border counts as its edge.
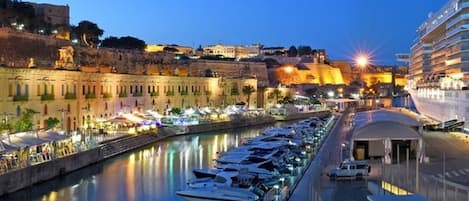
(248, 90)
(277, 94)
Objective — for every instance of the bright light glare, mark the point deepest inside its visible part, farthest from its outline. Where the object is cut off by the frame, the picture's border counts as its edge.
(362, 60)
(288, 69)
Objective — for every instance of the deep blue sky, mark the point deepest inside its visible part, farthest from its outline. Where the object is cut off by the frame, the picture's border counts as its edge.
(342, 27)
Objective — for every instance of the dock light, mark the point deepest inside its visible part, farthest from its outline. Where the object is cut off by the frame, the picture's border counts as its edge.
(330, 94)
(288, 69)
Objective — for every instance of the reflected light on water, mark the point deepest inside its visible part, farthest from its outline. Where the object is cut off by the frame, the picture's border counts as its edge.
(151, 173)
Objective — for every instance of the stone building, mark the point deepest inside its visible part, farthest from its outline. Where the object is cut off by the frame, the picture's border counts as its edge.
(73, 96)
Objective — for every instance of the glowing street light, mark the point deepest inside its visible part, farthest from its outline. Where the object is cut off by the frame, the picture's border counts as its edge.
(362, 60)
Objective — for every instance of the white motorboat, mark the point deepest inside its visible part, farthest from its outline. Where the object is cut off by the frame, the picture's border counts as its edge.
(218, 193)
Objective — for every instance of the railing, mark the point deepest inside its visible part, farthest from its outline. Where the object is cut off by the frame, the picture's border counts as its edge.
(18, 98)
(107, 95)
(170, 93)
(46, 97)
(70, 96)
(90, 96)
(122, 95)
(154, 93)
(184, 93)
(137, 94)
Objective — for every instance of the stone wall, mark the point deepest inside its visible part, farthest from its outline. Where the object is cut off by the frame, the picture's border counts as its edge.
(232, 69)
(22, 178)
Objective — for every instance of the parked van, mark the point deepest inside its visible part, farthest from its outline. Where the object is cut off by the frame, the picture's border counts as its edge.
(358, 168)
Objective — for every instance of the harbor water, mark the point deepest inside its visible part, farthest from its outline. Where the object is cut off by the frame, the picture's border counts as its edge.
(154, 172)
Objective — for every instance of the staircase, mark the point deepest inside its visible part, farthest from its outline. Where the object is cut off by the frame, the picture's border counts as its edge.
(125, 144)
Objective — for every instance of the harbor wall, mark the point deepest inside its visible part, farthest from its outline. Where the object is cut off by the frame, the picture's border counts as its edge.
(298, 116)
(202, 128)
(25, 177)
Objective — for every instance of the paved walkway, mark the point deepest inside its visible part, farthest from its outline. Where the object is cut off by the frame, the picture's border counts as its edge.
(309, 186)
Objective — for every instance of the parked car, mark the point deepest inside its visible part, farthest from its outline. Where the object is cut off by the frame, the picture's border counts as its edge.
(358, 168)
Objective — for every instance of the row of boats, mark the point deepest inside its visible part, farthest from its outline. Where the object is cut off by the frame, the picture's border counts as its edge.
(258, 168)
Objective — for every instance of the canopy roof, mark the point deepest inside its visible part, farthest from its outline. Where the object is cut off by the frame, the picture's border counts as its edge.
(364, 118)
(385, 129)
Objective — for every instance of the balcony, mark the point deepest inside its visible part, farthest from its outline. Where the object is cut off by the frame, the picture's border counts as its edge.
(197, 93)
(208, 93)
(170, 93)
(155, 93)
(122, 95)
(184, 93)
(107, 95)
(90, 96)
(70, 96)
(19, 98)
(137, 94)
(235, 93)
(47, 97)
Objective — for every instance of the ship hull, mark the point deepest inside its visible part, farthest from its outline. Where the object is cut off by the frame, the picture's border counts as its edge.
(442, 105)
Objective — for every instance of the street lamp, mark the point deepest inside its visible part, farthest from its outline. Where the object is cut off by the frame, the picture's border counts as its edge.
(362, 60)
(342, 146)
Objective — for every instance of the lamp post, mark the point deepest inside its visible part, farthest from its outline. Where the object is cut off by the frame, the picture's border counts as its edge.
(342, 146)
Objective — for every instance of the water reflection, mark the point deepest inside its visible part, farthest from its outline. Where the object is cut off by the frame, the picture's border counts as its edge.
(152, 173)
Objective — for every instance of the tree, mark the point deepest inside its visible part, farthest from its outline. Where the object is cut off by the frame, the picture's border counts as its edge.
(248, 90)
(52, 122)
(126, 42)
(25, 123)
(88, 32)
(277, 94)
(292, 52)
(176, 111)
(304, 50)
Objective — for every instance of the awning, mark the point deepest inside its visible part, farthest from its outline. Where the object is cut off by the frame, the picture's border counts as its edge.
(25, 140)
(52, 136)
(6, 148)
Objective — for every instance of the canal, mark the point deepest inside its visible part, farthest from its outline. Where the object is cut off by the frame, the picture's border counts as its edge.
(154, 172)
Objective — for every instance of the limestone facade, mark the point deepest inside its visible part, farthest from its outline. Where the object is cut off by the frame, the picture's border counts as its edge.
(72, 96)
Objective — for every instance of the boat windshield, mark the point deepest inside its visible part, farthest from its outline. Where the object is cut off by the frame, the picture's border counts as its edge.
(219, 179)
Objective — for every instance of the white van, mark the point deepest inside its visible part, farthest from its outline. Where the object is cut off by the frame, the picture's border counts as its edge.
(348, 168)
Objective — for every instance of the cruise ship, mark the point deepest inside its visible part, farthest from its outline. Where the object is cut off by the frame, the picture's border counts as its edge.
(439, 64)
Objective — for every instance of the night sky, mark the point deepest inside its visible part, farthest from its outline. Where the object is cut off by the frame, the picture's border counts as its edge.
(342, 27)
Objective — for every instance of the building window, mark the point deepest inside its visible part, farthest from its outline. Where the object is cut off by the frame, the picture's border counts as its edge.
(52, 89)
(63, 90)
(10, 90)
(26, 90)
(74, 89)
(18, 89)
(153, 102)
(45, 109)
(149, 89)
(141, 89)
(179, 88)
(94, 89)
(131, 89)
(38, 90)
(105, 106)
(102, 89)
(84, 90)
(68, 108)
